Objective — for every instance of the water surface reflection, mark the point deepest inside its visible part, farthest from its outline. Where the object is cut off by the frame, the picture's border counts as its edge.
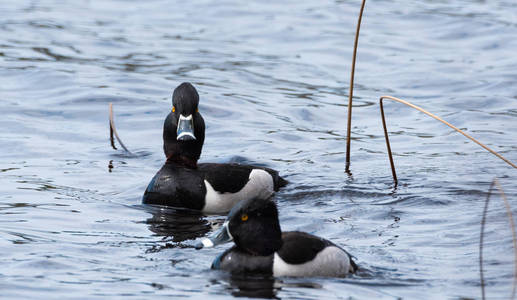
(177, 224)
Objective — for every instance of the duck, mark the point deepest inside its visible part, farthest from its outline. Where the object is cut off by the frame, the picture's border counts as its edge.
(212, 188)
(262, 248)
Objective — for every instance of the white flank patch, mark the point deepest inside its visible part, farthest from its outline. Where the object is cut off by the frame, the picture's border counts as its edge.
(330, 262)
(260, 184)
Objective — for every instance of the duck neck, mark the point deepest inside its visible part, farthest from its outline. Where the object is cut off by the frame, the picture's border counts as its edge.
(184, 153)
(182, 160)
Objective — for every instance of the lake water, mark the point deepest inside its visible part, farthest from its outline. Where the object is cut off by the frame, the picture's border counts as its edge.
(273, 80)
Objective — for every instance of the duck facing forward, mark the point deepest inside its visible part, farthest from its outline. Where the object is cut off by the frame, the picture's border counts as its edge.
(209, 187)
(260, 246)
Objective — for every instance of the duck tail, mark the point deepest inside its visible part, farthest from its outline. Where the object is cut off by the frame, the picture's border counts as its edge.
(353, 266)
(280, 182)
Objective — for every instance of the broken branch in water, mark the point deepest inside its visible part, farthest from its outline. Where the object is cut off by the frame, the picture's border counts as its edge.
(113, 131)
(435, 117)
(495, 182)
(351, 89)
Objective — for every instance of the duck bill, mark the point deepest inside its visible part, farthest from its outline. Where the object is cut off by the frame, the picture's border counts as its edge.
(185, 131)
(221, 236)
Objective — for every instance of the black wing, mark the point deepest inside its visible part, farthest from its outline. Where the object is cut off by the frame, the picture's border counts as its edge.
(300, 247)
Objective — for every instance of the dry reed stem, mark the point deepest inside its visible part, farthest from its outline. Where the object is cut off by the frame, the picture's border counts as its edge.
(351, 93)
(113, 130)
(435, 117)
(481, 235)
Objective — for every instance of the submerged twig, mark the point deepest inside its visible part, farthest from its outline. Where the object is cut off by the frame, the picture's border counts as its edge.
(435, 117)
(113, 130)
(351, 89)
(482, 233)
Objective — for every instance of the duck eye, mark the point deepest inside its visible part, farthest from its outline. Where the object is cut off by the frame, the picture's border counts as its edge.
(173, 108)
(244, 217)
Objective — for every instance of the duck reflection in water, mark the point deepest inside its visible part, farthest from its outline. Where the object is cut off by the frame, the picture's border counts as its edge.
(180, 224)
(249, 286)
(261, 286)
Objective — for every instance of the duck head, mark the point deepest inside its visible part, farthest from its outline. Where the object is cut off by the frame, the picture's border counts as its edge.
(184, 127)
(253, 226)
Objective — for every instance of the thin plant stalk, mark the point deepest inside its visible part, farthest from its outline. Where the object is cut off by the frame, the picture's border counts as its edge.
(435, 117)
(495, 182)
(113, 131)
(392, 164)
(351, 89)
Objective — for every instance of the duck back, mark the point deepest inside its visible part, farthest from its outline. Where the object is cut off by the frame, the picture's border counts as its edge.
(231, 178)
(304, 254)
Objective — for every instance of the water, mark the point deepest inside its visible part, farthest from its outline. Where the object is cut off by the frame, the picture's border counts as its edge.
(273, 79)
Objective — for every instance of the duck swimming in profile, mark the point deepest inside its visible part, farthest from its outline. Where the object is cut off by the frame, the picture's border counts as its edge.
(209, 187)
(261, 247)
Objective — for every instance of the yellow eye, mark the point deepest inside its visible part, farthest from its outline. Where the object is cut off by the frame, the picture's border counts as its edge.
(197, 109)
(244, 217)
(173, 108)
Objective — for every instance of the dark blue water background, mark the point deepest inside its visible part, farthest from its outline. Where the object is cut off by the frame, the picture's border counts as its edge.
(273, 79)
